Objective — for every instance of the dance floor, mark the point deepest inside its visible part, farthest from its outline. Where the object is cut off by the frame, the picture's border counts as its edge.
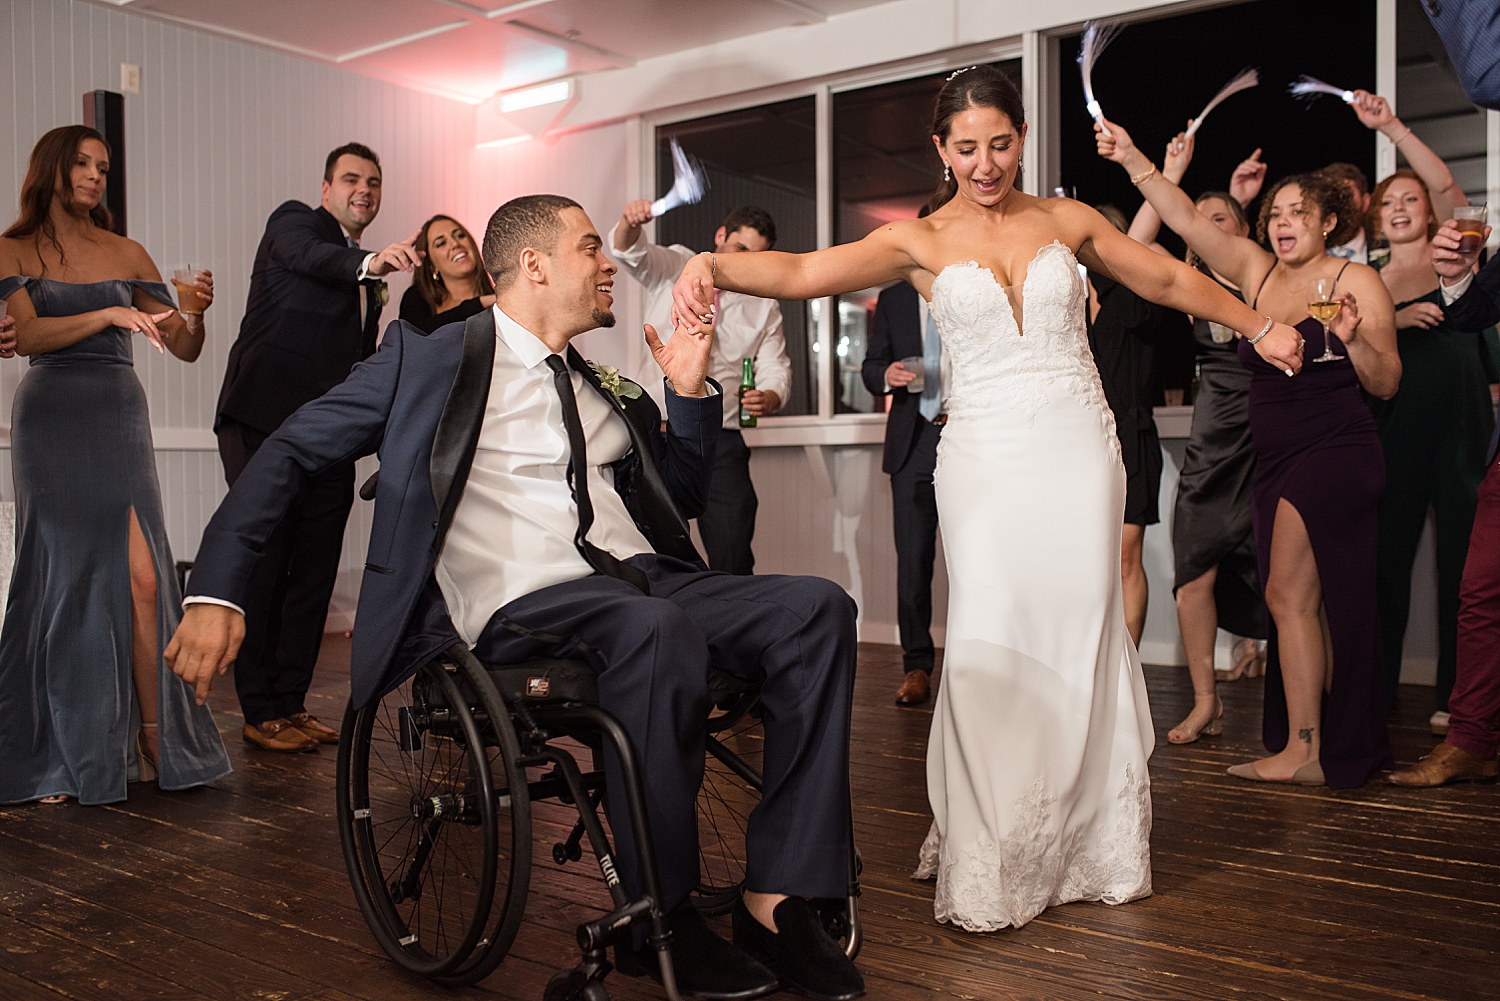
(1261, 891)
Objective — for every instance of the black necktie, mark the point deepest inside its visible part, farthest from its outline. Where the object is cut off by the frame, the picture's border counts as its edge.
(578, 477)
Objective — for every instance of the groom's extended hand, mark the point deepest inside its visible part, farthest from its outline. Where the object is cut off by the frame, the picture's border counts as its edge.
(684, 358)
(205, 644)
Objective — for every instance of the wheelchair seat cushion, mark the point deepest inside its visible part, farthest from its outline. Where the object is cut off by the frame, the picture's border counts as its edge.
(546, 682)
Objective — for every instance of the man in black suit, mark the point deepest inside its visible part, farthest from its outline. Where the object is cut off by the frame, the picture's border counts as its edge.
(911, 440)
(522, 505)
(312, 313)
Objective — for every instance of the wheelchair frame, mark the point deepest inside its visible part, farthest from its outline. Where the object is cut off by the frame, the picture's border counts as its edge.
(470, 709)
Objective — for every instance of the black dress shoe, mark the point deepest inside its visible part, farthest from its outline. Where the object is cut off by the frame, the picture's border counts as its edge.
(706, 966)
(800, 952)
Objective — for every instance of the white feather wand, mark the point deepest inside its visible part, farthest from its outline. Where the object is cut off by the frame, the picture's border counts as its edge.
(1308, 88)
(1246, 79)
(1096, 38)
(688, 183)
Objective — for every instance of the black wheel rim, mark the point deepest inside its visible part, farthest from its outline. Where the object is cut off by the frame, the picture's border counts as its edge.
(731, 789)
(419, 821)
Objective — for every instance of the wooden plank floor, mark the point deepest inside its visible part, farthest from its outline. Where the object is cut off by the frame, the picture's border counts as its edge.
(1262, 892)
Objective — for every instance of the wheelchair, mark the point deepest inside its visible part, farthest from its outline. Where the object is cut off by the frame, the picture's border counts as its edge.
(438, 785)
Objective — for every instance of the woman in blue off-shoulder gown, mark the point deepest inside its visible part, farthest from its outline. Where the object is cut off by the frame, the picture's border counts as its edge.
(86, 702)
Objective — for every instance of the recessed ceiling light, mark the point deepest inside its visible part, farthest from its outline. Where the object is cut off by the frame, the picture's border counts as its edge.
(535, 97)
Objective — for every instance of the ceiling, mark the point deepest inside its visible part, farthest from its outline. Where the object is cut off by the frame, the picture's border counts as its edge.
(473, 49)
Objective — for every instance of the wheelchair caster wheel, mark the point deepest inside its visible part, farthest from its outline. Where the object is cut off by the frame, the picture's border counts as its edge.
(563, 854)
(574, 985)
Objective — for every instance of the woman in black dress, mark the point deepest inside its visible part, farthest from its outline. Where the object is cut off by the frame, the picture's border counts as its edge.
(1319, 470)
(451, 285)
(1213, 547)
(1435, 432)
(86, 702)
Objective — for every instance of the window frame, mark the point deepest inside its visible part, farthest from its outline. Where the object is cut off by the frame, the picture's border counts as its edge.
(824, 427)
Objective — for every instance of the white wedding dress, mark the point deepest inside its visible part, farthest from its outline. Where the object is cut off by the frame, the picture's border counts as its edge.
(1036, 765)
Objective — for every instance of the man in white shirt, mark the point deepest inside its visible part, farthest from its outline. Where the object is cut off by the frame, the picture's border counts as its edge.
(525, 509)
(744, 327)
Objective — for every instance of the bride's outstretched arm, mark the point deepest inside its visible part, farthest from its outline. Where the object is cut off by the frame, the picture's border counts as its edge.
(1239, 259)
(1169, 282)
(879, 257)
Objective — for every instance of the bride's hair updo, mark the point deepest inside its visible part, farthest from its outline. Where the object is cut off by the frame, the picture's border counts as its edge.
(976, 87)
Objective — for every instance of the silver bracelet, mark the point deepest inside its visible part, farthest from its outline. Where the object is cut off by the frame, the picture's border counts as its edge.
(713, 267)
(1263, 332)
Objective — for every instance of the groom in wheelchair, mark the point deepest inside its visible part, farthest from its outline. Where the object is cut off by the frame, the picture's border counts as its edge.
(528, 502)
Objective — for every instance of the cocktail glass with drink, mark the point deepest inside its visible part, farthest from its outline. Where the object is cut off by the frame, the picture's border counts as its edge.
(1323, 305)
(189, 301)
(1470, 222)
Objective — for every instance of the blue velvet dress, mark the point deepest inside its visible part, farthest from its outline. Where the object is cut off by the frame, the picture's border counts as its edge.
(82, 457)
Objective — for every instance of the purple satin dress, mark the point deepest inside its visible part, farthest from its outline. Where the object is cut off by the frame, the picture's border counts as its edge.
(1317, 447)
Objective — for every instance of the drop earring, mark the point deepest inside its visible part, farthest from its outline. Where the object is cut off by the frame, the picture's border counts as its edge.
(947, 175)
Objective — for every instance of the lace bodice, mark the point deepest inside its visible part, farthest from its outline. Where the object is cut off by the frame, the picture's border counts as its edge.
(995, 362)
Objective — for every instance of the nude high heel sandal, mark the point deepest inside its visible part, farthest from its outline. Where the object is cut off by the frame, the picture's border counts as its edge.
(145, 763)
(1182, 734)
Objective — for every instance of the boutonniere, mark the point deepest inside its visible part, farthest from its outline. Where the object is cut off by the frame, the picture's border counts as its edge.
(382, 293)
(619, 387)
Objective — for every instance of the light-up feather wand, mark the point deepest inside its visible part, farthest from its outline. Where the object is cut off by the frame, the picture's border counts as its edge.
(1246, 79)
(1308, 88)
(688, 183)
(1096, 38)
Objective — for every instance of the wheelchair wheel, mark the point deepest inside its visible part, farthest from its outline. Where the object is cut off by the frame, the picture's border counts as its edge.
(731, 789)
(426, 834)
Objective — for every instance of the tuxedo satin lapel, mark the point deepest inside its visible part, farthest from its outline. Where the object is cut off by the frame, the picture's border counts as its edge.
(457, 432)
(667, 528)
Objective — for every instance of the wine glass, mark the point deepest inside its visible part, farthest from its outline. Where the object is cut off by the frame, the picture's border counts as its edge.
(1324, 307)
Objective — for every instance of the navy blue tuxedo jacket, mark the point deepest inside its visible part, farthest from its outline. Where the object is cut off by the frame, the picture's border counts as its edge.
(1476, 309)
(419, 402)
(301, 333)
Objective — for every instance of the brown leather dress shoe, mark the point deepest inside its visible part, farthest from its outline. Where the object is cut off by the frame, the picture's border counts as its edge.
(915, 689)
(279, 735)
(1445, 764)
(309, 724)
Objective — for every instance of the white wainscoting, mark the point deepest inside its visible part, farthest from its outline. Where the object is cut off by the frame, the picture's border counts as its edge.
(220, 134)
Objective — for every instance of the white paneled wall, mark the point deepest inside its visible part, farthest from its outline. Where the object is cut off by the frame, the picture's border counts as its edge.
(220, 134)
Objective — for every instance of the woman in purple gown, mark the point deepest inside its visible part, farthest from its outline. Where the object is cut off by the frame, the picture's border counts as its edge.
(1320, 471)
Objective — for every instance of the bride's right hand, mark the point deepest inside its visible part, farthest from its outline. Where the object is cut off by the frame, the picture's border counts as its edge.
(693, 295)
(1282, 347)
(138, 322)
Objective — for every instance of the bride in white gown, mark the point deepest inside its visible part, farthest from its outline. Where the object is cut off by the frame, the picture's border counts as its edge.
(1036, 765)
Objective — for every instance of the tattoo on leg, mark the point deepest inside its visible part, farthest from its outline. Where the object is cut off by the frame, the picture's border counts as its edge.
(1305, 734)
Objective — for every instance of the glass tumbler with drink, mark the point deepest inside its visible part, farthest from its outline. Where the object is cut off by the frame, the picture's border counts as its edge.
(186, 279)
(914, 366)
(1470, 222)
(1322, 304)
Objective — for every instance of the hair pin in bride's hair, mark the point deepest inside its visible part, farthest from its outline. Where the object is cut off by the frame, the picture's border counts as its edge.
(957, 72)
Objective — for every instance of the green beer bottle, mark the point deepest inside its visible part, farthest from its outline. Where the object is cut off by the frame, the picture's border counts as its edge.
(747, 381)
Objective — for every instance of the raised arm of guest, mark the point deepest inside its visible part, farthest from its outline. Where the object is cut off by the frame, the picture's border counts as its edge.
(1237, 258)
(1306, 214)
(648, 263)
(1374, 112)
(1246, 181)
(1179, 153)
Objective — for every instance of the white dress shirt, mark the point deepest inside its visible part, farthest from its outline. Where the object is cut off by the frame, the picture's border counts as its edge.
(1355, 250)
(513, 530)
(744, 326)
